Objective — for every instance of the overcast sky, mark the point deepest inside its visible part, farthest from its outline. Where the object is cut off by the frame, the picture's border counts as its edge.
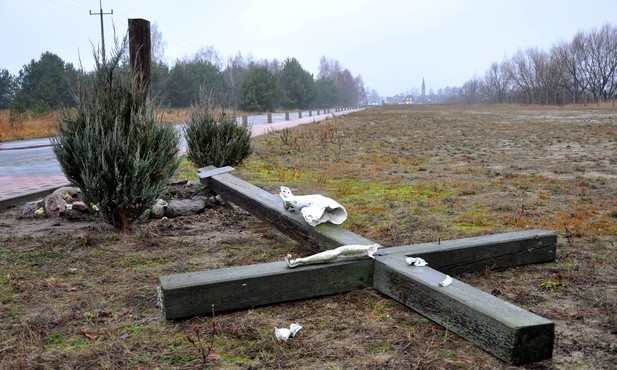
(392, 44)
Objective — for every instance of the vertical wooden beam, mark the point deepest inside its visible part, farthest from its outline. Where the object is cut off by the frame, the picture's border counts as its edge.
(140, 50)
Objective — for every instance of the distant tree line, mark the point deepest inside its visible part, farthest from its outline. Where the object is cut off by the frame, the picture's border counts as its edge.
(579, 71)
(241, 83)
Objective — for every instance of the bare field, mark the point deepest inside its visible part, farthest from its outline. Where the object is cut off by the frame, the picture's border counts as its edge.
(76, 294)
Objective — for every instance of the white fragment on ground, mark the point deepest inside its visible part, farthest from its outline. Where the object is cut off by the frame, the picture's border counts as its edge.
(416, 261)
(282, 334)
(447, 281)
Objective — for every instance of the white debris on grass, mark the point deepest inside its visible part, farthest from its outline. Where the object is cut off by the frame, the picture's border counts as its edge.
(315, 209)
(282, 334)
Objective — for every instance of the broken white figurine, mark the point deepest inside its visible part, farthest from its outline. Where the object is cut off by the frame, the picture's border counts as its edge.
(332, 254)
(447, 281)
(416, 261)
(283, 334)
(316, 208)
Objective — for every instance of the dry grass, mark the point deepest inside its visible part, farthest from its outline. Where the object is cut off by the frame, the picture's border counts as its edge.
(32, 126)
(27, 125)
(76, 295)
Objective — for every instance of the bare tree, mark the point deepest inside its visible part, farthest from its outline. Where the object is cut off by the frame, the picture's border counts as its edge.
(534, 73)
(207, 54)
(471, 91)
(328, 68)
(273, 66)
(599, 62)
(158, 45)
(521, 71)
(234, 74)
(497, 81)
(569, 59)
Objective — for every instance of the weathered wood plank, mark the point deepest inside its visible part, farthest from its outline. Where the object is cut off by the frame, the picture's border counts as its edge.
(510, 333)
(269, 208)
(243, 287)
(496, 251)
(187, 294)
(213, 171)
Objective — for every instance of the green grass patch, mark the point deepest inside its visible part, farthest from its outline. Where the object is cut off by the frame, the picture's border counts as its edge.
(186, 170)
(473, 220)
(55, 341)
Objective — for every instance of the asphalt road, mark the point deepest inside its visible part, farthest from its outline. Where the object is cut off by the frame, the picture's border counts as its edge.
(30, 165)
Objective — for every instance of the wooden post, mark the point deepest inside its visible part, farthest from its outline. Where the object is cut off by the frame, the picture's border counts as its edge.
(300, 114)
(139, 50)
(245, 120)
(310, 113)
(269, 117)
(286, 116)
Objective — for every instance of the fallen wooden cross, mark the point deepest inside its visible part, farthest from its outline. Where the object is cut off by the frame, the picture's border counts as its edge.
(510, 333)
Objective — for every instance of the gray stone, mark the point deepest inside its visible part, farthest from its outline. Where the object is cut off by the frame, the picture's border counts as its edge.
(30, 208)
(158, 209)
(68, 193)
(185, 207)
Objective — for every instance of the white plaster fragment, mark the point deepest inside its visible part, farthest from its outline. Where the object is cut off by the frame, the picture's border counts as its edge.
(416, 261)
(282, 334)
(333, 254)
(316, 209)
(447, 281)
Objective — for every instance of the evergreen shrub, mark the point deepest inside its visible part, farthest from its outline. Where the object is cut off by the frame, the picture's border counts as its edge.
(215, 138)
(113, 147)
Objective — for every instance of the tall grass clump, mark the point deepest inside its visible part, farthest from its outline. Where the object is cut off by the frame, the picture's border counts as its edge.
(215, 138)
(113, 147)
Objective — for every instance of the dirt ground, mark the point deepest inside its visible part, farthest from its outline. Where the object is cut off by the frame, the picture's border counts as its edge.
(76, 294)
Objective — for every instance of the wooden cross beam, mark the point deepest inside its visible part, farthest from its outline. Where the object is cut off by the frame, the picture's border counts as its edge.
(512, 334)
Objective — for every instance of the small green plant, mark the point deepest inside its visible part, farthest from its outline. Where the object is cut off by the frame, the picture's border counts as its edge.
(216, 139)
(113, 147)
(54, 340)
(551, 284)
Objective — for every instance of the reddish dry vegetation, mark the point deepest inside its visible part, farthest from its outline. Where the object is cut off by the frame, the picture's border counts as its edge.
(27, 125)
(31, 125)
(76, 294)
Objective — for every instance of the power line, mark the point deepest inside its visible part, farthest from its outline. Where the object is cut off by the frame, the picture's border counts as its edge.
(101, 13)
(161, 23)
(65, 4)
(184, 38)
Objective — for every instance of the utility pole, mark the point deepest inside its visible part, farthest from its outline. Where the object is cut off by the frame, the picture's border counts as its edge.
(101, 13)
